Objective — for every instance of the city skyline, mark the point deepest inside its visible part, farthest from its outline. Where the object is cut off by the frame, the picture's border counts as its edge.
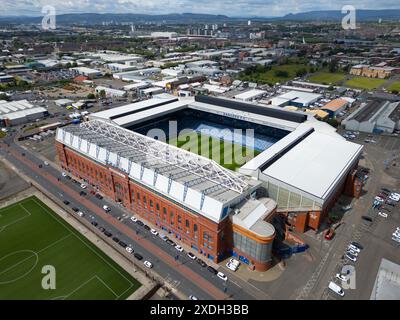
(256, 8)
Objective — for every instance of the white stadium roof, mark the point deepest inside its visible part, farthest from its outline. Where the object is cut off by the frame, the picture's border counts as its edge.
(315, 165)
(198, 183)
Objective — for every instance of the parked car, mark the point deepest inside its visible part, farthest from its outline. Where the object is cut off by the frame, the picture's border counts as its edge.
(148, 264)
(356, 244)
(99, 196)
(170, 242)
(383, 214)
(341, 277)
(335, 288)
(107, 233)
(66, 202)
(106, 208)
(212, 270)
(83, 186)
(154, 232)
(329, 234)
(115, 239)
(191, 256)
(46, 163)
(179, 248)
(82, 193)
(146, 227)
(354, 248)
(351, 257)
(80, 213)
(122, 244)
(63, 174)
(129, 249)
(140, 223)
(138, 256)
(75, 209)
(222, 276)
(201, 262)
(94, 223)
(353, 253)
(396, 239)
(133, 219)
(192, 297)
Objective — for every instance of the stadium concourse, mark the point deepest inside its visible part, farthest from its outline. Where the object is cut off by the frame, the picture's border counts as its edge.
(300, 169)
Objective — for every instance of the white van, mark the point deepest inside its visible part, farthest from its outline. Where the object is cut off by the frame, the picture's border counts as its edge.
(335, 288)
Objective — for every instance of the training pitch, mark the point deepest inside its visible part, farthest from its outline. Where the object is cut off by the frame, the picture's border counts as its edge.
(33, 237)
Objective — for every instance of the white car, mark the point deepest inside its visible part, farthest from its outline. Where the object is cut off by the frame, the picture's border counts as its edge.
(80, 213)
(63, 174)
(148, 264)
(133, 219)
(396, 239)
(379, 199)
(106, 208)
(179, 248)
(191, 256)
(129, 249)
(353, 253)
(231, 266)
(383, 214)
(354, 248)
(83, 186)
(395, 194)
(350, 257)
(46, 163)
(341, 277)
(335, 288)
(393, 198)
(192, 297)
(222, 276)
(154, 232)
(396, 234)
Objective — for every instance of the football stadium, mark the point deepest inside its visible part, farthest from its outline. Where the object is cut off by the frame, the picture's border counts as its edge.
(214, 172)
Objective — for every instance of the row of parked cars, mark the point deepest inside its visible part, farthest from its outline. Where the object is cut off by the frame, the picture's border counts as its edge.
(396, 235)
(352, 252)
(179, 248)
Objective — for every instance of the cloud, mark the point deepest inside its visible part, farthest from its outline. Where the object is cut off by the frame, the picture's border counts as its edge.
(226, 7)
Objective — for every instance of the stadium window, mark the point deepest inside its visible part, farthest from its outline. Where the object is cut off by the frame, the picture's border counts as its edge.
(179, 219)
(151, 203)
(164, 210)
(187, 223)
(157, 207)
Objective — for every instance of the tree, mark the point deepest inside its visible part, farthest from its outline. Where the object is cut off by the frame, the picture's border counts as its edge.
(301, 72)
(281, 74)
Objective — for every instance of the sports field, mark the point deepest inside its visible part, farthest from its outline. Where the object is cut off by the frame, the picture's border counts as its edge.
(327, 78)
(229, 155)
(32, 236)
(365, 83)
(394, 87)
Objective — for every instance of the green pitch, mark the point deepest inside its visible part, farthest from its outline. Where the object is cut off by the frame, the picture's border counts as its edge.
(365, 83)
(32, 236)
(229, 155)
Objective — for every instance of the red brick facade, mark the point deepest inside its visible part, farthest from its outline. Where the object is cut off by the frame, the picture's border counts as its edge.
(210, 239)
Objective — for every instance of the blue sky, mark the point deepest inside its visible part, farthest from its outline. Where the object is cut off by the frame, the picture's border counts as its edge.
(227, 7)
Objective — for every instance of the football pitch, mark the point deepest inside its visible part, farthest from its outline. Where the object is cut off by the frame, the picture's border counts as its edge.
(227, 154)
(34, 239)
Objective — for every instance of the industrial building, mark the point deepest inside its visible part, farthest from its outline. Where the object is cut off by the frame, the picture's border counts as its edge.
(19, 112)
(87, 72)
(335, 107)
(295, 98)
(110, 92)
(215, 211)
(375, 116)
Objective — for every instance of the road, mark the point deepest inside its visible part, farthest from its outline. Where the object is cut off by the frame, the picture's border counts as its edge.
(176, 268)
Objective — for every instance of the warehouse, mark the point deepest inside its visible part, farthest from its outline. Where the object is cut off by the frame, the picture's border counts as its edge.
(250, 95)
(19, 112)
(110, 92)
(87, 72)
(216, 211)
(296, 98)
(335, 107)
(375, 116)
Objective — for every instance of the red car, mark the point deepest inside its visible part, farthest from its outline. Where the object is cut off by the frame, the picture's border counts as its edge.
(329, 234)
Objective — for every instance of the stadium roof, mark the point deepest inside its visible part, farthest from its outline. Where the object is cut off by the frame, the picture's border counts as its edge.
(197, 182)
(316, 165)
